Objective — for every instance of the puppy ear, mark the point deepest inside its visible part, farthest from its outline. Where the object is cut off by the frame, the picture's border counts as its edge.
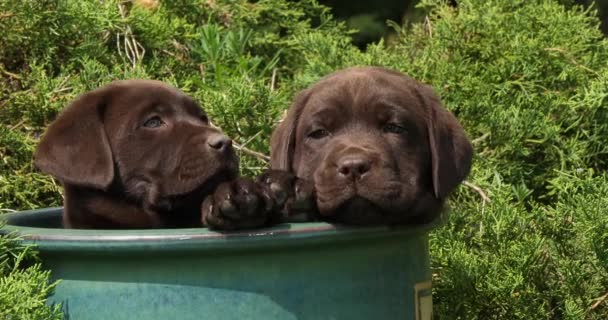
(451, 151)
(283, 140)
(75, 147)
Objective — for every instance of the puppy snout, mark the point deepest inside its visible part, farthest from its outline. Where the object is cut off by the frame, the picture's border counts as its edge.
(354, 167)
(219, 142)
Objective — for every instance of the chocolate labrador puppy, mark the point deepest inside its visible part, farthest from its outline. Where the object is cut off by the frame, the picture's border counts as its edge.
(376, 147)
(142, 154)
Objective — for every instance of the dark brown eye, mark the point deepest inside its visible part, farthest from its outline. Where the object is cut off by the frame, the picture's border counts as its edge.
(394, 128)
(153, 122)
(204, 118)
(318, 134)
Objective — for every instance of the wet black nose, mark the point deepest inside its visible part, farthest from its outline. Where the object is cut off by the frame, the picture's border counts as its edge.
(219, 142)
(353, 167)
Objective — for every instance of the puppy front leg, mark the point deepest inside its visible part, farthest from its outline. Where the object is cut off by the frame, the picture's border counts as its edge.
(294, 198)
(238, 204)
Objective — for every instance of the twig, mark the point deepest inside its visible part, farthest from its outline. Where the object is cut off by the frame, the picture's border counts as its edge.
(429, 26)
(63, 90)
(572, 60)
(54, 95)
(245, 150)
(599, 301)
(168, 52)
(133, 49)
(10, 74)
(60, 88)
(273, 79)
(118, 45)
(253, 153)
(480, 191)
(141, 48)
(128, 48)
(480, 139)
(250, 139)
(17, 125)
(242, 147)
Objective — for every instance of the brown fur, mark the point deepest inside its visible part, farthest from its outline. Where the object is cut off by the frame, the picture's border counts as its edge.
(377, 145)
(120, 170)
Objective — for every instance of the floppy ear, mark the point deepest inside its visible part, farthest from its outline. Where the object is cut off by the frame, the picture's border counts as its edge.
(451, 151)
(283, 140)
(75, 147)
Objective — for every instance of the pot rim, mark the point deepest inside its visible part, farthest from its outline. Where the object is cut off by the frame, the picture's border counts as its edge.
(130, 240)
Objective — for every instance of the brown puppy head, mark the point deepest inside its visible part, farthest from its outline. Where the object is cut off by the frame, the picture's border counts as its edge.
(378, 145)
(139, 138)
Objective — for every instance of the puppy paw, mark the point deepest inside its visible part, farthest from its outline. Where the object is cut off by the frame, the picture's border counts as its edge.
(294, 198)
(238, 204)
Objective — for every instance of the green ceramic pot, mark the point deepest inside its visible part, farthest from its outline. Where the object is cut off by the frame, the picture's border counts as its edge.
(292, 271)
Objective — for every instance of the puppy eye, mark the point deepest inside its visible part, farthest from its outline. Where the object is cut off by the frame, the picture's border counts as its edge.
(153, 122)
(394, 128)
(204, 118)
(318, 134)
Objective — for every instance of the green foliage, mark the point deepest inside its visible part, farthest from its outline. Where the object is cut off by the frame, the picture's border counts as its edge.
(23, 285)
(231, 55)
(527, 79)
(527, 260)
(511, 72)
(23, 294)
(530, 77)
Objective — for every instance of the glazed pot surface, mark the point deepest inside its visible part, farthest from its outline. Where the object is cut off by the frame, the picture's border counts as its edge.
(290, 271)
